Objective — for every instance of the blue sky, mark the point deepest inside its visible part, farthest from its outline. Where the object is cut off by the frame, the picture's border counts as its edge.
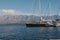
(26, 5)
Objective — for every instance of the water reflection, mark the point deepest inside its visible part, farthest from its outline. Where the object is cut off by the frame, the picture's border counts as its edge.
(21, 32)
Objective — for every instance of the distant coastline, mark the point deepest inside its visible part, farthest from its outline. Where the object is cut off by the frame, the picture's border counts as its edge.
(22, 19)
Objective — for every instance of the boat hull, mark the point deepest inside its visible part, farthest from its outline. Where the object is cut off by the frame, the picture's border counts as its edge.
(35, 25)
(39, 25)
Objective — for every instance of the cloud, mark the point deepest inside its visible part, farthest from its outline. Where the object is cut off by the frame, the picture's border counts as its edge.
(7, 11)
(16, 12)
(13, 12)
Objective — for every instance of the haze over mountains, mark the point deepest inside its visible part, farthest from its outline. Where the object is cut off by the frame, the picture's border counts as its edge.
(11, 16)
(23, 18)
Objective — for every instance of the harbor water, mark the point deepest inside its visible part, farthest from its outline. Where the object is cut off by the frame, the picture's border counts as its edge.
(21, 32)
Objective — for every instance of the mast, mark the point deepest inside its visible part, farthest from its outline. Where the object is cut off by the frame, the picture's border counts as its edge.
(58, 12)
(40, 9)
(32, 8)
(49, 10)
(39, 6)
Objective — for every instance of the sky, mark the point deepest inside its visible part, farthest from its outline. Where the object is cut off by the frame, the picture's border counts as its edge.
(29, 7)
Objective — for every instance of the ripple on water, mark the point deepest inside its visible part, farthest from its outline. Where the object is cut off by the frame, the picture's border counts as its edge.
(21, 32)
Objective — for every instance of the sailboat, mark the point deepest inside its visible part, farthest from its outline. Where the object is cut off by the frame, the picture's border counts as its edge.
(43, 22)
(58, 19)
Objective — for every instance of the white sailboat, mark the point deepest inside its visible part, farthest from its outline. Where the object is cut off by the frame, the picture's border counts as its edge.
(58, 20)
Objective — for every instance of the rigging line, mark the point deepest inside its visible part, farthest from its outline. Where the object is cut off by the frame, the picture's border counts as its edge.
(39, 7)
(46, 11)
(58, 11)
(49, 9)
(32, 8)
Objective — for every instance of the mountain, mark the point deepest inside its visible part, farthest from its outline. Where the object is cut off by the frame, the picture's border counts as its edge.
(6, 19)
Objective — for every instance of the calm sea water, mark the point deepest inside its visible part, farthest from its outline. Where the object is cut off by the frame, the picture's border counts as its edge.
(21, 32)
